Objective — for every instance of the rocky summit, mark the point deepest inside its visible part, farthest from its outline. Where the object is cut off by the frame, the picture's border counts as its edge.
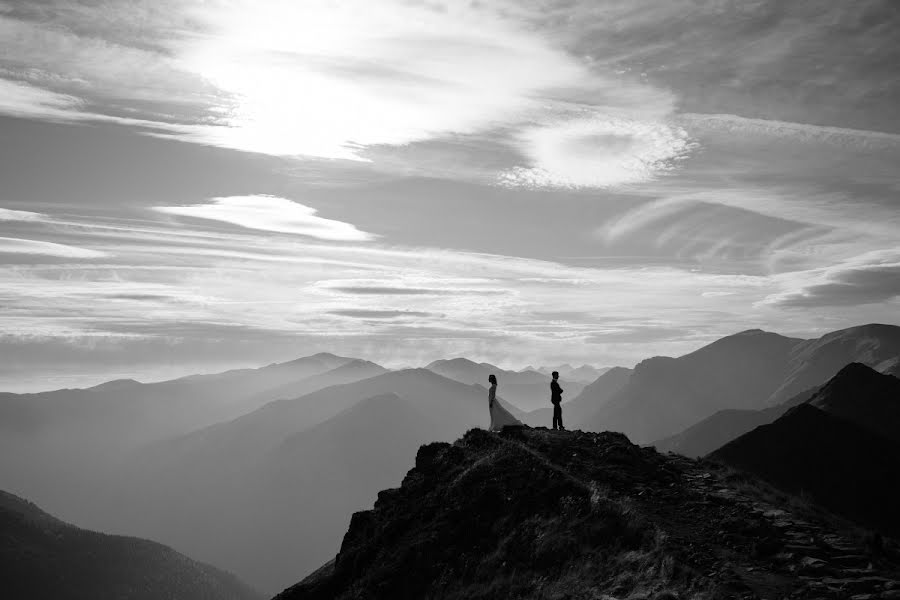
(532, 513)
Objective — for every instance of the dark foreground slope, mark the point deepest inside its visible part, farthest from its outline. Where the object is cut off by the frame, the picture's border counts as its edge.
(45, 558)
(540, 514)
(840, 465)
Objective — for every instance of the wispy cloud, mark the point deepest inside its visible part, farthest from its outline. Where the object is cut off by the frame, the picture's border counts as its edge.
(361, 313)
(327, 80)
(798, 132)
(270, 213)
(870, 278)
(7, 214)
(22, 246)
(196, 286)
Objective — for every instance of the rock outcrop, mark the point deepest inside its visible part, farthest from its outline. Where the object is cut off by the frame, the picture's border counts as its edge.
(532, 513)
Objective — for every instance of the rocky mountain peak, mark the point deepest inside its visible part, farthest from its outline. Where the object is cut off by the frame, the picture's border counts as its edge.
(536, 513)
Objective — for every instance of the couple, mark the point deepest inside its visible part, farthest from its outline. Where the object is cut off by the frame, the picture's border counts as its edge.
(500, 417)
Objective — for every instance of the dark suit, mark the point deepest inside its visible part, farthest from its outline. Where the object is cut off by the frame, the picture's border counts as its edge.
(556, 398)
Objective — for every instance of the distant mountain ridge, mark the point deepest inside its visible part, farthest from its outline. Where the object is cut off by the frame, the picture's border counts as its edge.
(579, 407)
(748, 371)
(583, 374)
(527, 390)
(876, 404)
(815, 361)
(45, 558)
(467, 371)
(58, 447)
(284, 477)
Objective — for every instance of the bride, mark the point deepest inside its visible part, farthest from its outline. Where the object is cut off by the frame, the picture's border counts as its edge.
(500, 417)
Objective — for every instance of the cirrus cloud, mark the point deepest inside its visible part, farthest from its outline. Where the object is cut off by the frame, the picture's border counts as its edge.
(23, 246)
(270, 213)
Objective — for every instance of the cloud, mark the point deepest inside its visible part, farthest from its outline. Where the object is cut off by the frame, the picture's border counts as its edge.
(20, 246)
(798, 132)
(270, 213)
(388, 291)
(870, 278)
(24, 100)
(597, 152)
(7, 214)
(345, 80)
(378, 314)
(375, 290)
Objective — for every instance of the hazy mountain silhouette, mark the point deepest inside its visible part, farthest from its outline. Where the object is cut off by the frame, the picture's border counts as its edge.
(55, 447)
(585, 404)
(267, 494)
(856, 393)
(714, 432)
(582, 374)
(44, 558)
(137, 412)
(837, 463)
(526, 390)
(467, 371)
(751, 370)
(665, 395)
(815, 361)
(253, 494)
(531, 513)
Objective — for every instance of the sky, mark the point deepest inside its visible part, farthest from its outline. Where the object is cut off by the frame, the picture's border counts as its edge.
(193, 185)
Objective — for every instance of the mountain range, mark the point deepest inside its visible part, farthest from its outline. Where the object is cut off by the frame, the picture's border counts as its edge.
(527, 389)
(749, 371)
(44, 557)
(257, 470)
(724, 426)
(583, 374)
(284, 477)
(56, 446)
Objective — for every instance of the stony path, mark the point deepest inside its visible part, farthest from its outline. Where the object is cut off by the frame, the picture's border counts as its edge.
(819, 562)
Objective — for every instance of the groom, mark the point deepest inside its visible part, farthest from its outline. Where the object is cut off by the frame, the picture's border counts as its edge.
(556, 398)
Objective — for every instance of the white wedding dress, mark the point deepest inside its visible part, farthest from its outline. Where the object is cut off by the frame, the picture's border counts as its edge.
(500, 417)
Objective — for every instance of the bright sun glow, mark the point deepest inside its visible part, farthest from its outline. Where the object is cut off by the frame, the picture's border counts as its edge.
(329, 78)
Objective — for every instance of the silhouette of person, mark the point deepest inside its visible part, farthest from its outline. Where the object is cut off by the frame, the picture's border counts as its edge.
(556, 393)
(500, 417)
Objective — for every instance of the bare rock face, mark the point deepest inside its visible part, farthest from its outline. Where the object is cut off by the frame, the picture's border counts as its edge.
(532, 513)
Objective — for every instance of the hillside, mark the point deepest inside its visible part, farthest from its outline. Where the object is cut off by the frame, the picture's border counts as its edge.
(44, 558)
(541, 514)
(836, 463)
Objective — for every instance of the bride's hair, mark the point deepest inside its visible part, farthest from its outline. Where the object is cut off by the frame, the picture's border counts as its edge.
(492, 378)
